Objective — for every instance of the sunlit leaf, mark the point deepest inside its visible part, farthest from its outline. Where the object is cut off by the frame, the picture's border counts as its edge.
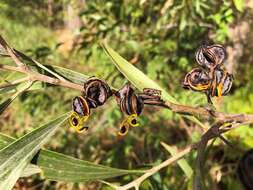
(134, 75)
(15, 157)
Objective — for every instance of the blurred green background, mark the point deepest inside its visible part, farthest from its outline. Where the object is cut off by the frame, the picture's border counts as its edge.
(160, 38)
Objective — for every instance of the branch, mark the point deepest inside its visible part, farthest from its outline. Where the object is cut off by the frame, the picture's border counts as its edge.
(34, 76)
(205, 113)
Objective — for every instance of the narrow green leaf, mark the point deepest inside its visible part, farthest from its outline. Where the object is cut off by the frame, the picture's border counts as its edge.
(134, 75)
(68, 74)
(30, 169)
(182, 162)
(56, 71)
(59, 167)
(15, 157)
(139, 79)
(50, 70)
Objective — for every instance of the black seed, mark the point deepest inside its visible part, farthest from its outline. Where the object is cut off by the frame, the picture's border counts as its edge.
(75, 121)
(123, 129)
(134, 121)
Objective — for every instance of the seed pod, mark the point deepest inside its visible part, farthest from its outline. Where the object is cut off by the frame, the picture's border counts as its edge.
(245, 170)
(132, 104)
(96, 92)
(210, 56)
(128, 101)
(197, 80)
(80, 114)
(221, 83)
(80, 106)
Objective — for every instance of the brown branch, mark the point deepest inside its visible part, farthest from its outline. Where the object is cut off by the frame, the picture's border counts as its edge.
(205, 113)
(34, 76)
(199, 112)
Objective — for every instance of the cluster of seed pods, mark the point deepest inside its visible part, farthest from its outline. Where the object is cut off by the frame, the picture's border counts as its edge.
(211, 77)
(95, 94)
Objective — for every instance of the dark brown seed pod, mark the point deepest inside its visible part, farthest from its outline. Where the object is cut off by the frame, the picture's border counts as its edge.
(96, 92)
(221, 83)
(210, 56)
(79, 115)
(245, 170)
(197, 80)
(80, 106)
(128, 101)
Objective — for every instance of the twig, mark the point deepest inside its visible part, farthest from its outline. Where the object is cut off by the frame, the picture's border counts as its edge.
(204, 113)
(34, 76)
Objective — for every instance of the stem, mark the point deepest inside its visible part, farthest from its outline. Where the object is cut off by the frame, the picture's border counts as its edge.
(43, 78)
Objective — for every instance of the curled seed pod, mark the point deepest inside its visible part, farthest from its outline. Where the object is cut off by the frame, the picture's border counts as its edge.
(197, 79)
(79, 115)
(128, 101)
(80, 106)
(96, 92)
(132, 104)
(221, 83)
(245, 170)
(210, 56)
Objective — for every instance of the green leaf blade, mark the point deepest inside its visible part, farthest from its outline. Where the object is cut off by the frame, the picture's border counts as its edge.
(59, 167)
(17, 155)
(134, 75)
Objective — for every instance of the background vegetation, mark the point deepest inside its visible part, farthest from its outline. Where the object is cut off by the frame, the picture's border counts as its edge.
(160, 38)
